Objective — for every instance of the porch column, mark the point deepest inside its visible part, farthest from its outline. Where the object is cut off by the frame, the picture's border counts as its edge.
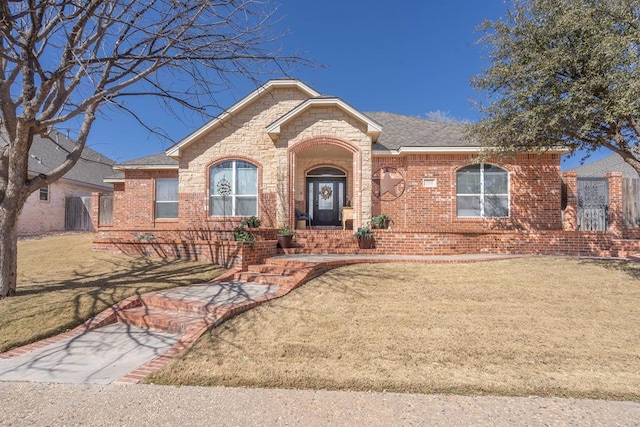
(570, 217)
(364, 209)
(616, 218)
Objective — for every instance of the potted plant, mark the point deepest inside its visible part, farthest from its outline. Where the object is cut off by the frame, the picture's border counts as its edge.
(251, 222)
(240, 234)
(364, 236)
(285, 236)
(381, 221)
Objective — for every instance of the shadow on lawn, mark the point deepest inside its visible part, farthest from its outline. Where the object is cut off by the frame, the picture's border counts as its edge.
(125, 273)
(90, 293)
(337, 280)
(630, 268)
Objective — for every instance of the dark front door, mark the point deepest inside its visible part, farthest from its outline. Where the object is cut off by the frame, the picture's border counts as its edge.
(327, 198)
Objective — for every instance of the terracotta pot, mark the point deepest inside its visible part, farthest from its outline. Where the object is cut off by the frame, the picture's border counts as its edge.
(285, 240)
(365, 243)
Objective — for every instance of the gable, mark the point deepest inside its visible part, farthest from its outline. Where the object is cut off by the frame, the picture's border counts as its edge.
(234, 110)
(372, 128)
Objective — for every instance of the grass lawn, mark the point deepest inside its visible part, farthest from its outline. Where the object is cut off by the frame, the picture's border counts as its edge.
(531, 326)
(62, 283)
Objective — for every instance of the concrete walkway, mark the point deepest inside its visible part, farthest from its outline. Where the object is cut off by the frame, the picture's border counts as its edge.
(113, 352)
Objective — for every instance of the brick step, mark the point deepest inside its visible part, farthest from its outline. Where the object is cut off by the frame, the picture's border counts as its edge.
(158, 318)
(289, 263)
(264, 278)
(273, 269)
(329, 245)
(162, 302)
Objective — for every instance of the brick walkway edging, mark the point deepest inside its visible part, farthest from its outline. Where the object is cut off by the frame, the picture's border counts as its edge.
(188, 339)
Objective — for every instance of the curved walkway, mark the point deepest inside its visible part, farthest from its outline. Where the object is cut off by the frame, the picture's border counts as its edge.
(141, 334)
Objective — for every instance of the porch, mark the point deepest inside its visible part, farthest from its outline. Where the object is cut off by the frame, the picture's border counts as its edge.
(221, 249)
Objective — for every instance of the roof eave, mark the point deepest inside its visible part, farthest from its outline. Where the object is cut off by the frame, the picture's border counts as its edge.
(426, 150)
(113, 180)
(148, 167)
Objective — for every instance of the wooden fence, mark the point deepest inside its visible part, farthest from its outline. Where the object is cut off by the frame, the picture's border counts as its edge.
(77, 214)
(105, 216)
(631, 202)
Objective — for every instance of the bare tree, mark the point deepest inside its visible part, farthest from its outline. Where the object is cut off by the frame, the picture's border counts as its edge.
(62, 60)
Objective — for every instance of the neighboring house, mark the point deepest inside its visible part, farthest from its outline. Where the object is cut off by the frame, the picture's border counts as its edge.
(286, 149)
(599, 168)
(44, 210)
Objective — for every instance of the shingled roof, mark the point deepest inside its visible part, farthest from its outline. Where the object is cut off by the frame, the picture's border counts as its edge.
(405, 131)
(612, 163)
(48, 153)
(159, 159)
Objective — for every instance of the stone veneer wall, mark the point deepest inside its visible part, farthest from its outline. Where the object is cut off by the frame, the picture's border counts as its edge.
(242, 136)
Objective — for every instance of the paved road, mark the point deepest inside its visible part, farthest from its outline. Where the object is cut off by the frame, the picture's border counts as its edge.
(25, 404)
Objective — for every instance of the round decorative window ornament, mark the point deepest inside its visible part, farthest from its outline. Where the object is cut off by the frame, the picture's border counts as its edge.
(223, 187)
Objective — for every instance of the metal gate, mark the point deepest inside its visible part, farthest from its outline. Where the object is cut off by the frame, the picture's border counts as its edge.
(77, 214)
(593, 204)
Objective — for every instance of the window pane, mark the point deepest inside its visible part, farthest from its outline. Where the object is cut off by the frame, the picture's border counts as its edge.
(221, 171)
(246, 206)
(496, 182)
(468, 181)
(44, 193)
(221, 206)
(167, 189)
(246, 179)
(167, 210)
(468, 205)
(496, 206)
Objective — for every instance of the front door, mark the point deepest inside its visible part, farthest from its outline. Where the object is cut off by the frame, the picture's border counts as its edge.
(326, 197)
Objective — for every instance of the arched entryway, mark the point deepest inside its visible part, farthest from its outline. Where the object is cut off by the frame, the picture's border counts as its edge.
(326, 195)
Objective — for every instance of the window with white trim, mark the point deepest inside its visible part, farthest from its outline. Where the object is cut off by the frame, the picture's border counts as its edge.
(233, 189)
(166, 198)
(44, 193)
(482, 191)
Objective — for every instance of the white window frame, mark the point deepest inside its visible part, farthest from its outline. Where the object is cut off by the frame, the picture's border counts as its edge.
(46, 192)
(232, 198)
(158, 201)
(482, 192)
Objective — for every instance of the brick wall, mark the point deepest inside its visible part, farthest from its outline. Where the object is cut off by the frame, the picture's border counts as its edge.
(535, 193)
(45, 216)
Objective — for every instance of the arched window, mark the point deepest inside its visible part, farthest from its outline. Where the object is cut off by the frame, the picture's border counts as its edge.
(233, 189)
(482, 191)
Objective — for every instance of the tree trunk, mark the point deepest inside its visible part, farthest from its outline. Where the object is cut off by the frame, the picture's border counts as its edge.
(8, 251)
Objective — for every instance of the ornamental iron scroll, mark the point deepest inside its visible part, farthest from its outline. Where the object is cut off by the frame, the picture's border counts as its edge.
(593, 204)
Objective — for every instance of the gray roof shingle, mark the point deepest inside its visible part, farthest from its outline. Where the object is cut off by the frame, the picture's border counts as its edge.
(159, 159)
(48, 153)
(406, 131)
(612, 163)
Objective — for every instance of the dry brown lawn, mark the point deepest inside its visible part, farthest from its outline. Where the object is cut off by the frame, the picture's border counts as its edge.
(62, 283)
(532, 326)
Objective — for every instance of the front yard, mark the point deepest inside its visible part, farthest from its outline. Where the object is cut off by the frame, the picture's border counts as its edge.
(531, 326)
(62, 283)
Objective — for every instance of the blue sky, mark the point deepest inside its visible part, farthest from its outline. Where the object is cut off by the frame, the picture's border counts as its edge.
(412, 58)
